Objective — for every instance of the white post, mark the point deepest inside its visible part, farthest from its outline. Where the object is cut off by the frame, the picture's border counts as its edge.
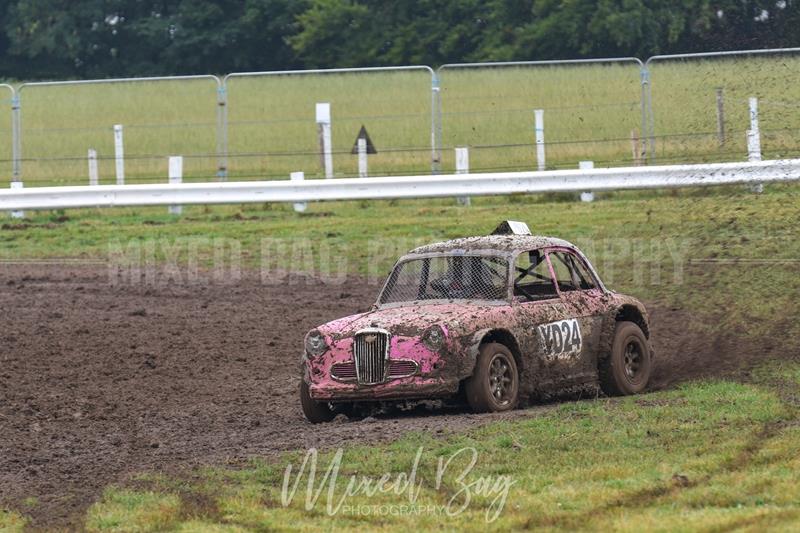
(754, 141)
(299, 207)
(94, 175)
(17, 214)
(119, 154)
(540, 159)
(587, 196)
(324, 128)
(362, 158)
(175, 177)
(462, 167)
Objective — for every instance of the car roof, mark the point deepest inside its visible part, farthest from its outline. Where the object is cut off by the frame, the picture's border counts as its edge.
(501, 243)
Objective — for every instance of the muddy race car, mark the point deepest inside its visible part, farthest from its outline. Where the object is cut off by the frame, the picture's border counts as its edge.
(488, 319)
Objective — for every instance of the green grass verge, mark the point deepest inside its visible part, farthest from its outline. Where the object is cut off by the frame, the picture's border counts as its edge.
(706, 456)
(11, 521)
(128, 510)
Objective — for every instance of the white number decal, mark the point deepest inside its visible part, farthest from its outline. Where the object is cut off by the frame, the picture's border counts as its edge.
(560, 340)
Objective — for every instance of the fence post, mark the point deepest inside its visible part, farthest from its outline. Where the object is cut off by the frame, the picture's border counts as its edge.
(16, 147)
(94, 175)
(648, 120)
(754, 141)
(17, 214)
(720, 116)
(636, 148)
(175, 177)
(362, 158)
(16, 136)
(436, 124)
(462, 167)
(222, 131)
(587, 196)
(324, 131)
(540, 157)
(119, 154)
(299, 207)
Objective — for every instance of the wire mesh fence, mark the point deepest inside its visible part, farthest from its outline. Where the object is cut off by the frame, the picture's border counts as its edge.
(6, 130)
(615, 112)
(272, 126)
(592, 110)
(159, 117)
(699, 104)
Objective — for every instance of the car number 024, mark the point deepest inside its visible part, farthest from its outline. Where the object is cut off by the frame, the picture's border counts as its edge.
(560, 340)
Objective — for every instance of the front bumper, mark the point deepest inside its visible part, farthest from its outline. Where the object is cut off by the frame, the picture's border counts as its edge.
(434, 376)
(399, 389)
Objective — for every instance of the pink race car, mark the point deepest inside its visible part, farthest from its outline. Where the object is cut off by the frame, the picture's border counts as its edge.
(488, 319)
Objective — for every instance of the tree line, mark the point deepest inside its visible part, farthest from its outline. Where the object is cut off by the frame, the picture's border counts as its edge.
(55, 39)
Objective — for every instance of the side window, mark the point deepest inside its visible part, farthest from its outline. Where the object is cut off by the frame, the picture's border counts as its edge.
(532, 279)
(584, 276)
(571, 274)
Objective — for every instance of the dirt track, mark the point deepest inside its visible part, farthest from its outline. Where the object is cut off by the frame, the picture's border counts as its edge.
(100, 381)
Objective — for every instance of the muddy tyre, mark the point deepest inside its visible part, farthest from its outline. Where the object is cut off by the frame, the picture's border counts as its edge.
(627, 368)
(494, 385)
(314, 411)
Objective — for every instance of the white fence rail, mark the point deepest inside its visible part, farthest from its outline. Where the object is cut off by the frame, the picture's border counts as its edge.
(432, 186)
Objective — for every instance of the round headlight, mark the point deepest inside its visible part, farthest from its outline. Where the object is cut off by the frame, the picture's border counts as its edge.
(315, 343)
(434, 338)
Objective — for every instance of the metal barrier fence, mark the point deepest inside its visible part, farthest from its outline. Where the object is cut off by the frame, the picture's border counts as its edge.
(618, 111)
(390, 187)
(159, 116)
(7, 137)
(589, 106)
(697, 104)
(271, 124)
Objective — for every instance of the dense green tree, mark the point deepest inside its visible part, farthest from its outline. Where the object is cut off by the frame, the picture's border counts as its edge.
(141, 37)
(100, 38)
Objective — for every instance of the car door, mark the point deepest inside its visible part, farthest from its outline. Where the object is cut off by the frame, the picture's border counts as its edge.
(540, 314)
(585, 303)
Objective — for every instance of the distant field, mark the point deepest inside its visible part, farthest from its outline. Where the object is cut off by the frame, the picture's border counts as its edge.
(590, 114)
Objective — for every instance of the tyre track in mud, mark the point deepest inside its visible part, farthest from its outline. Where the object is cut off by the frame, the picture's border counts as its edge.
(101, 381)
(788, 393)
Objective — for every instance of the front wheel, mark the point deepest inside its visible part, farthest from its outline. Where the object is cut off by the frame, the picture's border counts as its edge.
(314, 411)
(627, 368)
(494, 385)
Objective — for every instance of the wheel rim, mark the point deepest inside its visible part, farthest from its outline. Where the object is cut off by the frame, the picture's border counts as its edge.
(501, 380)
(634, 360)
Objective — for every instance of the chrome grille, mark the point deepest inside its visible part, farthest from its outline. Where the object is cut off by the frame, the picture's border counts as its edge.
(344, 371)
(371, 351)
(402, 368)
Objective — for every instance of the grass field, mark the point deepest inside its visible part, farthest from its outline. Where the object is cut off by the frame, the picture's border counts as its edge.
(628, 465)
(711, 455)
(590, 111)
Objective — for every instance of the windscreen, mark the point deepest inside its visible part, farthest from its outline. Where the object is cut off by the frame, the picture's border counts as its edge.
(448, 278)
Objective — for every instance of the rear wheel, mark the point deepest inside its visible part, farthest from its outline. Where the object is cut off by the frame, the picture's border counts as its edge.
(627, 369)
(313, 410)
(494, 385)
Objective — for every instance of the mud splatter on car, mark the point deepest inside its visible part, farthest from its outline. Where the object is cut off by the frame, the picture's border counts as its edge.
(491, 319)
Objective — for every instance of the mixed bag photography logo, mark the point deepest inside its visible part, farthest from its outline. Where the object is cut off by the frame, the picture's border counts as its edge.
(330, 486)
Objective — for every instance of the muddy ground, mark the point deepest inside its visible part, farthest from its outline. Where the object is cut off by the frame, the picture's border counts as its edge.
(101, 380)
